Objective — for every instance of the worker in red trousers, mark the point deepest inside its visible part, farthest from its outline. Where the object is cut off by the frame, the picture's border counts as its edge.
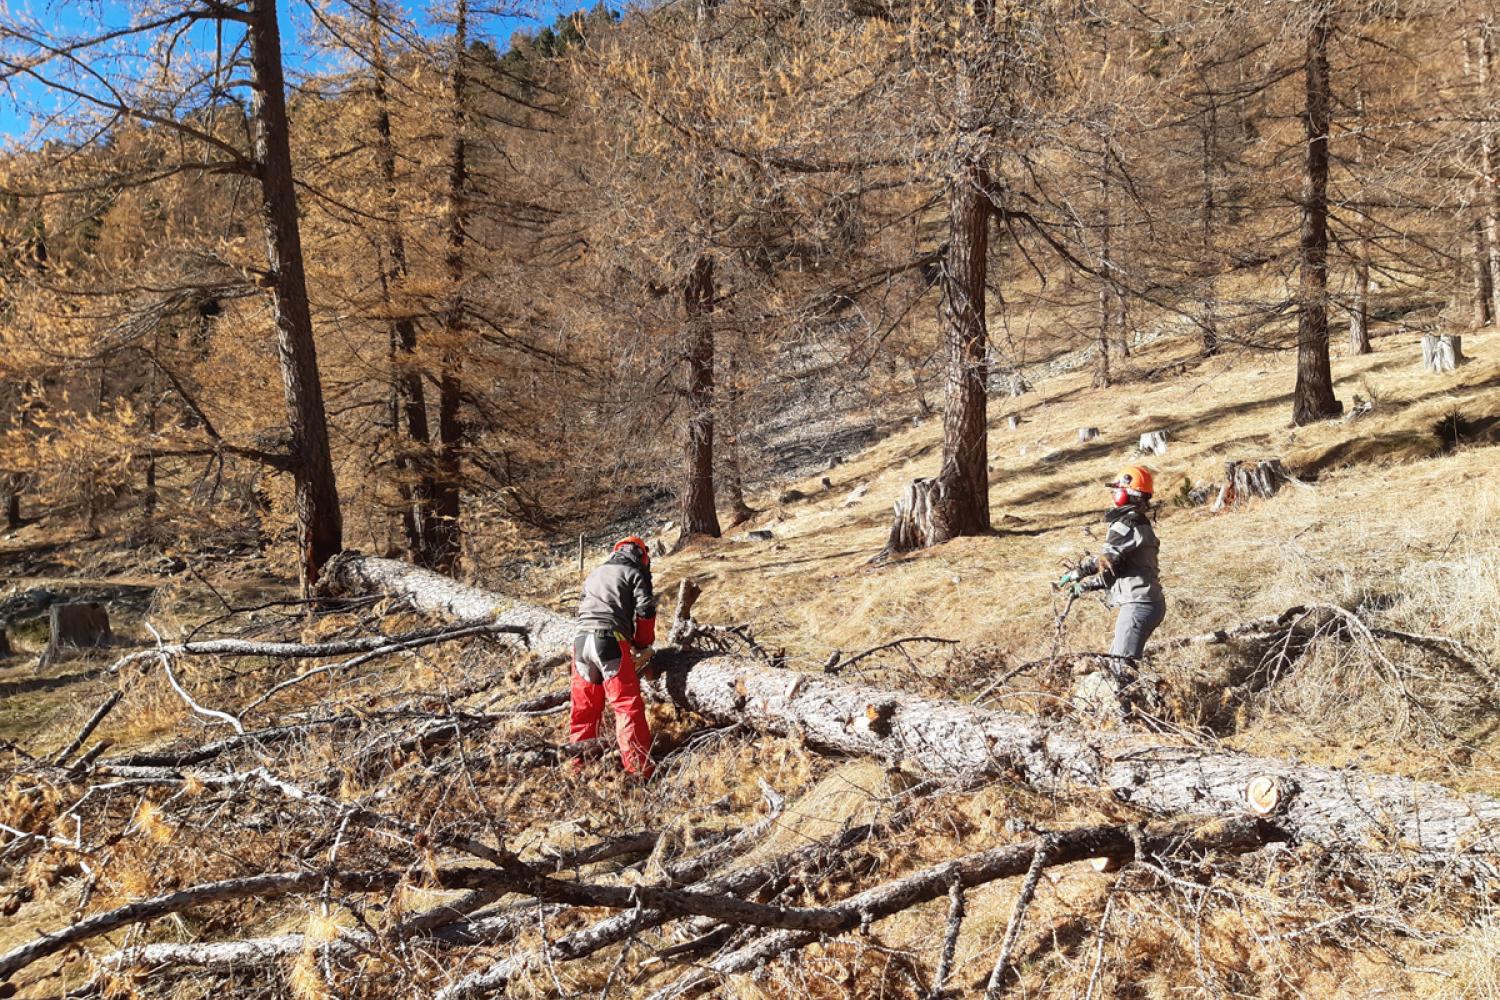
(616, 618)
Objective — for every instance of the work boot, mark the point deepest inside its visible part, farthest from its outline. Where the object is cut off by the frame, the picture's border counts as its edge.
(1127, 684)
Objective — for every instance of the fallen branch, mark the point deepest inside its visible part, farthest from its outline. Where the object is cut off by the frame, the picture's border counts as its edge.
(317, 650)
(1236, 836)
(834, 665)
(166, 665)
(267, 886)
(950, 938)
(88, 729)
(995, 987)
(626, 926)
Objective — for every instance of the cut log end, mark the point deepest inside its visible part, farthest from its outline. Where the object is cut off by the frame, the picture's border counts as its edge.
(1263, 795)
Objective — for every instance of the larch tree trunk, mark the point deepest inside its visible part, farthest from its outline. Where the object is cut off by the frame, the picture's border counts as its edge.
(1483, 287)
(1207, 206)
(417, 517)
(699, 294)
(445, 536)
(957, 501)
(1340, 808)
(319, 521)
(699, 516)
(1106, 289)
(963, 506)
(965, 475)
(734, 480)
(1359, 296)
(1313, 398)
(1489, 146)
(1359, 307)
(12, 485)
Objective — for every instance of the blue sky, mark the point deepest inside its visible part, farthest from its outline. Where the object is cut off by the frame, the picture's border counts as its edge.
(24, 98)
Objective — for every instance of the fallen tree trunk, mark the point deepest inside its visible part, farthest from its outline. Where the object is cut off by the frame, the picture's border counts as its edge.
(547, 632)
(1337, 808)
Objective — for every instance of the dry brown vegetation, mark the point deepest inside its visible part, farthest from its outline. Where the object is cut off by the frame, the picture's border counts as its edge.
(1302, 921)
(542, 279)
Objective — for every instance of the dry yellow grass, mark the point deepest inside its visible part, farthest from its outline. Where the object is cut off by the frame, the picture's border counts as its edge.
(1386, 503)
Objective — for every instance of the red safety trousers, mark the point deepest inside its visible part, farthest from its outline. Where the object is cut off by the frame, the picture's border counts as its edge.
(623, 692)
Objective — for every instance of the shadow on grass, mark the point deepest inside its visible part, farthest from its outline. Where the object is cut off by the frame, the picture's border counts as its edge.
(33, 684)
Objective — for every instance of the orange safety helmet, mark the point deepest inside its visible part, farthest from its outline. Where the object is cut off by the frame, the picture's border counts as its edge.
(638, 543)
(1133, 479)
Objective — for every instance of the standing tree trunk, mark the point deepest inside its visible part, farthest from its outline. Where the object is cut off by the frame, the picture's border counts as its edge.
(699, 516)
(1483, 284)
(734, 485)
(12, 484)
(445, 535)
(1313, 398)
(417, 517)
(1489, 148)
(1206, 207)
(1359, 299)
(957, 501)
(1106, 289)
(1359, 307)
(319, 522)
(965, 475)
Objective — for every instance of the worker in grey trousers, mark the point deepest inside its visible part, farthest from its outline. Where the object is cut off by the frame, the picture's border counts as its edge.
(1126, 566)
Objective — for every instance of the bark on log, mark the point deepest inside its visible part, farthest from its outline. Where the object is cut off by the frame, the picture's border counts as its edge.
(351, 573)
(1337, 808)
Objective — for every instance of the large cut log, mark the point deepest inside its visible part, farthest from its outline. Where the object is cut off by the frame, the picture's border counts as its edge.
(1337, 808)
(351, 573)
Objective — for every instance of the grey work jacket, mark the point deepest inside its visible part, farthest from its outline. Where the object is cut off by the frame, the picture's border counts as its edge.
(1130, 547)
(616, 594)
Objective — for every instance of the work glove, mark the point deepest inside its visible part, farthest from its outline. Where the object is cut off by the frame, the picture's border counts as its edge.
(1070, 577)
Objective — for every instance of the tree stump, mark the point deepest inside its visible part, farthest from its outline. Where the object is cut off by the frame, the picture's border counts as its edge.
(1154, 442)
(1442, 353)
(916, 524)
(76, 626)
(1013, 421)
(1087, 434)
(1245, 479)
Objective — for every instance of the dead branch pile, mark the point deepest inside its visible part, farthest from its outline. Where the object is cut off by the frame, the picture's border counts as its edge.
(409, 828)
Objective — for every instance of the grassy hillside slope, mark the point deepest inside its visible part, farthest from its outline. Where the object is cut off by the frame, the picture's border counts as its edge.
(1396, 519)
